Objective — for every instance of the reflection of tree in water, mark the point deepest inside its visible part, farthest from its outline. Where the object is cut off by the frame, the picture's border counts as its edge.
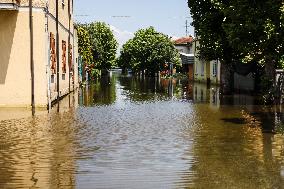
(149, 88)
(232, 155)
(100, 92)
(104, 91)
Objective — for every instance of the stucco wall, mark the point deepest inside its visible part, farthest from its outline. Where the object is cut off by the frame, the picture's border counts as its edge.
(206, 66)
(15, 74)
(63, 36)
(184, 49)
(15, 77)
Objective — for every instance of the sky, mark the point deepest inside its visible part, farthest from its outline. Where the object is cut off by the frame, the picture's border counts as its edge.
(127, 16)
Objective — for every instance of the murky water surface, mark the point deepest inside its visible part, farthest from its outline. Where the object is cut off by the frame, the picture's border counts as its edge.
(124, 132)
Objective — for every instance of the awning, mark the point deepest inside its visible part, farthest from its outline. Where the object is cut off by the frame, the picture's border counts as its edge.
(187, 58)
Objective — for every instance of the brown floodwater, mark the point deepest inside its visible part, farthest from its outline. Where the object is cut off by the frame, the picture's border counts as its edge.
(126, 132)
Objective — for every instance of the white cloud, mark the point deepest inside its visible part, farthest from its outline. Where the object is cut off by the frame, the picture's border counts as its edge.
(121, 36)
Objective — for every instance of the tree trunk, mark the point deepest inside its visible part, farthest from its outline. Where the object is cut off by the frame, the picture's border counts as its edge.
(227, 78)
(270, 70)
(272, 93)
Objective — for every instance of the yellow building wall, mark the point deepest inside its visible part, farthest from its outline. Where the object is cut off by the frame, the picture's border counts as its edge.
(63, 36)
(15, 74)
(204, 69)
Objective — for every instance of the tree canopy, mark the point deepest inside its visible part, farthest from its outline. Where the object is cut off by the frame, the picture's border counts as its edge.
(104, 45)
(97, 46)
(149, 50)
(240, 31)
(84, 44)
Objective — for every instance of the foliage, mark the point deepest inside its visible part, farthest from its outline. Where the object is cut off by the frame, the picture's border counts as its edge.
(148, 50)
(104, 45)
(208, 20)
(241, 31)
(84, 44)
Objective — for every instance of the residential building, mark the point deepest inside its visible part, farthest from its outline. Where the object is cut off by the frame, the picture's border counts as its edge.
(184, 44)
(205, 71)
(53, 79)
(185, 48)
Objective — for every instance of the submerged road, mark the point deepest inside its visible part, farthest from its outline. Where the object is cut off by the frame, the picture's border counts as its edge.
(125, 132)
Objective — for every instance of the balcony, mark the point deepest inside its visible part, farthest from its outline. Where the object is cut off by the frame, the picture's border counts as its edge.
(9, 4)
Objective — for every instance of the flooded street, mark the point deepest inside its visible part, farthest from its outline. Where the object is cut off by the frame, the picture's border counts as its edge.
(125, 132)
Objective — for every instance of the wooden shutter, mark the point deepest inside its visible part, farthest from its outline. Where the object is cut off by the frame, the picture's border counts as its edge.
(64, 56)
(70, 61)
(52, 53)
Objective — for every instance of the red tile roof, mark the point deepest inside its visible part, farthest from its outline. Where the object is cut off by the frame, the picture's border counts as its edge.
(183, 40)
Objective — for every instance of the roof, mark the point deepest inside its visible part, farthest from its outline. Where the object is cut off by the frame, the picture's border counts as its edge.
(183, 40)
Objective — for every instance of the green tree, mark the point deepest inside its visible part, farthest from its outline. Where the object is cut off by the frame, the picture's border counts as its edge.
(104, 45)
(240, 31)
(255, 29)
(208, 21)
(148, 50)
(84, 44)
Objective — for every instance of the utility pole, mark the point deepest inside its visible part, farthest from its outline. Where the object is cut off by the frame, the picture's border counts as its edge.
(186, 27)
(32, 57)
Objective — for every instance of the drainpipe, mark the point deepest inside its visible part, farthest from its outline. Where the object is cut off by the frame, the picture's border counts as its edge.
(48, 59)
(69, 63)
(57, 52)
(32, 57)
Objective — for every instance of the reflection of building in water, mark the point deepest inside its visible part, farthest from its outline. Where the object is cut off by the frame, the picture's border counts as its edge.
(40, 152)
(204, 94)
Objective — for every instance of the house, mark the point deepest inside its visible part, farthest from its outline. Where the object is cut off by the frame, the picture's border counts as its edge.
(185, 48)
(53, 79)
(205, 71)
(184, 45)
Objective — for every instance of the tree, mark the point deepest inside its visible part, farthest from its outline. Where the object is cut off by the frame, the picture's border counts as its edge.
(240, 31)
(255, 29)
(84, 44)
(208, 21)
(148, 50)
(104, 45)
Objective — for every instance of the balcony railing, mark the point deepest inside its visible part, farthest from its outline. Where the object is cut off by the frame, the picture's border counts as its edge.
(9, 4)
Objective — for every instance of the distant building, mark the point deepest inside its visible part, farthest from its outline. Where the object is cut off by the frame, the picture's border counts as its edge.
(185, 48)
(205, 71)
(184, 45)
(15, 73)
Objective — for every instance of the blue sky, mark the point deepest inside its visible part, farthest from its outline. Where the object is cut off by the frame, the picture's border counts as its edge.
(167, 16)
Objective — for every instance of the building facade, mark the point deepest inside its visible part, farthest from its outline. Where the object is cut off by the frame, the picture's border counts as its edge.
(185, 48)
(205, 71)
(53, 78)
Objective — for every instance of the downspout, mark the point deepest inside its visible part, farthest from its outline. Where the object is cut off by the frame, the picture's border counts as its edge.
(48, 59)
(57, 53)
(32, 57)
(73, 51)
(69, 61)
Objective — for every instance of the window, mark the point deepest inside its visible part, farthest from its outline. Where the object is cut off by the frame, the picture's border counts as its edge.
(196, 68)
(202, 67)
(64, 56)
(215, 66)
(52, 54)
